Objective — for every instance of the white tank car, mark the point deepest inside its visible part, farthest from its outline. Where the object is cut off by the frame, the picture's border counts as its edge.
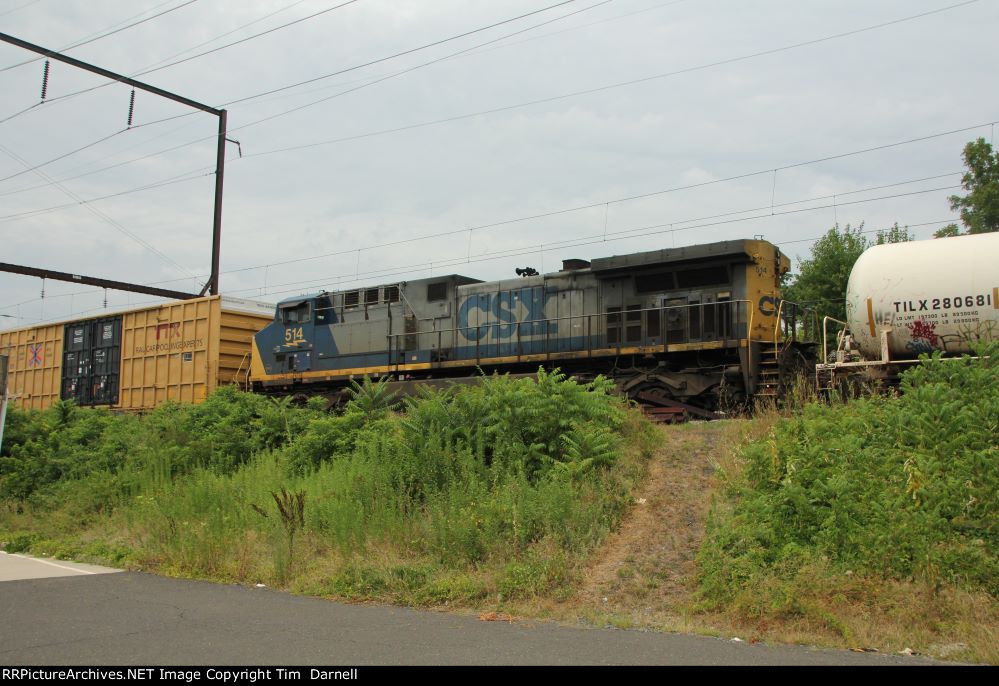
(939, 294)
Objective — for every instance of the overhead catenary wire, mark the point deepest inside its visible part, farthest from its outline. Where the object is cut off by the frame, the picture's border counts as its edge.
(19, 7)
(396, 243)
(446, 264)
(675, 226)
(528, 250)
(365, 85)
(563, 96)
(209, 52)
(410, 69)
(568, 209)
(597, 89)
(107, 33)
(179, 178)
(101, 215)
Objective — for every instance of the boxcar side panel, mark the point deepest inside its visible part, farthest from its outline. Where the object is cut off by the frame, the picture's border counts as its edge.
(35, 375)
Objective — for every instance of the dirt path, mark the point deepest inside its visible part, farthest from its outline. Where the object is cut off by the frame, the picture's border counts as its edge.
(646, 569)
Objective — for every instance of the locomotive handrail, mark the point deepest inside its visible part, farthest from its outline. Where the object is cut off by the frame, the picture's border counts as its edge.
(731, 325)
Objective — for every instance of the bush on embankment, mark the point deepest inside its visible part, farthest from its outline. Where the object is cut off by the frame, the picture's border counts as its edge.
(894, 488)
(501, 487)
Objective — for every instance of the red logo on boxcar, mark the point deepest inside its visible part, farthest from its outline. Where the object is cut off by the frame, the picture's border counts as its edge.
(35, 355)
(171, 330)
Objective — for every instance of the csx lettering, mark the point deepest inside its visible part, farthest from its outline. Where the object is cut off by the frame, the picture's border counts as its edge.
(503, 307)
(768, 306)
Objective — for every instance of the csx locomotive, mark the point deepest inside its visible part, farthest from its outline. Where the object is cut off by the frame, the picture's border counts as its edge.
(694, 326)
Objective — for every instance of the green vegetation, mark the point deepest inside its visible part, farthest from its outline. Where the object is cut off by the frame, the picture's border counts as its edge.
(822, 279)
(980, 207)
(496, 489)
(901, 489)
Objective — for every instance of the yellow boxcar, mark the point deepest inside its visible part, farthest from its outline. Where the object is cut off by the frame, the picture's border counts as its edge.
(136, 359)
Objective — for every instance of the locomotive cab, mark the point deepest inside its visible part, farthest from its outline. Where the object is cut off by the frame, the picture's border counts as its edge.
(288, 345)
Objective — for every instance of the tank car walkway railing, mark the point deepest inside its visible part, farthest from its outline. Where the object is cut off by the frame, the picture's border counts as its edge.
(544, 339)
(839, 336)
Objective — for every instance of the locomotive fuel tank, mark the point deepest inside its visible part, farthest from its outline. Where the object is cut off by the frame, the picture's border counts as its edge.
(940, 294)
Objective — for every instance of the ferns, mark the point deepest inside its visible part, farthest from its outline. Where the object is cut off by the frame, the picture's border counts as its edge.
(905, 487)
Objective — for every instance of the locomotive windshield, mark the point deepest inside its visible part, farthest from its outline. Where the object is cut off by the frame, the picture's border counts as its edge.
(296, 313)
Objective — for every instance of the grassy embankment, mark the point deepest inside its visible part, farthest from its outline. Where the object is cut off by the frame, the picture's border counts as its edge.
(491, 492)
(871, 524)
(868, 525)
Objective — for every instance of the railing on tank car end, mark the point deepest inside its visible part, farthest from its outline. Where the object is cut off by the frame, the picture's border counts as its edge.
(739, 313)
(839, 336)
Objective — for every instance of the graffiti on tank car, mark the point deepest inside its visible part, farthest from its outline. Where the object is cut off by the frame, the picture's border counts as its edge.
(508, 308)
(924, 337)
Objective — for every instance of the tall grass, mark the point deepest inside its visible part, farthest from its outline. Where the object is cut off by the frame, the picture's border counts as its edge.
(903, 489)
(501, 487)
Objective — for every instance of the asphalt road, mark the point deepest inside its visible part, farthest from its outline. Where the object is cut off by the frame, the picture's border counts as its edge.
(86, 616)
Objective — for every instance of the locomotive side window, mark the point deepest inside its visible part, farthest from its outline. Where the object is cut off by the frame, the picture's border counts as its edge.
(437, 291)
(703, 276)
(694, 320)
(324, 309)
(297, 314)
(653, 324)
(724, 317)
(654, 283)
(633, 331)
(613, 325)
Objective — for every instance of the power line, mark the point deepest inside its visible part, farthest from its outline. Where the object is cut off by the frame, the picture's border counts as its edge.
(365, 85)
(207, 52)
(418, 66)
(410, 269)
(180, 178)
(227, 33)
(550, 99)
(674, 227)
(25, 189)
(463, 53)
(584, 26)
(105, 35)
(650, 230)
(673, 189)
(543, 214)
(398, 54)
(63, 156)
(598, 89)
(19, 7)
(101, 215)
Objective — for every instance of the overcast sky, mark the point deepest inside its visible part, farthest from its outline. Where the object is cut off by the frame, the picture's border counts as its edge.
(708, 117)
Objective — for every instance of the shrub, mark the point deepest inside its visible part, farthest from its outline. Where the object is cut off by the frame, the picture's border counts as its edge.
(904, 488)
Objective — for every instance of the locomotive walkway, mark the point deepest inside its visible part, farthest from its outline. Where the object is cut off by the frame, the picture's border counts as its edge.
(88, 617)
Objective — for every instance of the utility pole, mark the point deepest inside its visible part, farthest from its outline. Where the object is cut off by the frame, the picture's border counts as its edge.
(213, 281)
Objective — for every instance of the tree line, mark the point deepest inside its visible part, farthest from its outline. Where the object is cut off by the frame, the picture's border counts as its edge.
(822, 279)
